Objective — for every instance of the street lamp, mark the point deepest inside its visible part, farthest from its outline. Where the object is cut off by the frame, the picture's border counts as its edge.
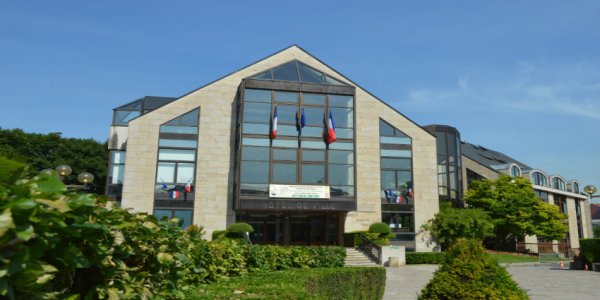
(85, 177)
(63, 170)
(590, 190)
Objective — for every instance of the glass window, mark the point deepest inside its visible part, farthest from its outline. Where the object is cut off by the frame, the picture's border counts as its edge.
(312, 144)
(251, 189)
(173, 154)
(340, 100)
(255, 153)
(395, 153)
(250, 128)
(343, 117)
(388, 180)
(285, 143)
(254, 172)
(311, 131)
(341, 174)
(165, 172)
(255, 142)
(404, 179)
(188, 119)
(257, 112)
(185, 173)
(287, 130)
(177, 143)
(117, 173)
(262, 76)
(344, 133)
(162, 213)
(313, 174)
(308, 74)
(184, 216)
(286, 97)
(313, 99)
(122, 117)
(284, 173)
(117, 157)
(178, 129)
(341, 157)
(341, 190)
(287, 72)
(257, 95)
(287, 114)
(395, 163)
(333, 81)
(284, 154)
(341, 146)
(575, 187)
(395, 140)
(515, 172)
(313, 155)
(314, 115)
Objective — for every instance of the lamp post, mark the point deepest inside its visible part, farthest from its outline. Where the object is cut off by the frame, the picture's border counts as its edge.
(84, 178)
(590, 190)
(63, 170)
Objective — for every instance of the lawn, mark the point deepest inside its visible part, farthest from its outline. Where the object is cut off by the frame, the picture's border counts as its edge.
(513, 258)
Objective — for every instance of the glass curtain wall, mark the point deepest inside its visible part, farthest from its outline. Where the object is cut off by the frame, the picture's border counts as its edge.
(297, 155)
(116, 174)
(397, 195)
(176, 168)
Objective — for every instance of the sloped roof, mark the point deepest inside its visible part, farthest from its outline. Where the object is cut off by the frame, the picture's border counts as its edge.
(595, 211)
(147, 103)
(490, 158)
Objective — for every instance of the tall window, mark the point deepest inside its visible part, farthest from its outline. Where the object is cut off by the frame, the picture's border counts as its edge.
(542, 195)
(116, 173)
(575, 187)
(561, 202)
(397, 194)
(176, 167)
(298, 155)
(579, 221)
(558, 183)
(515, 171)
(539, 179)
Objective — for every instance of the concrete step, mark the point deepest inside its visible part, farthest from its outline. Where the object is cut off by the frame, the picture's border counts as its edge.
(355, 258)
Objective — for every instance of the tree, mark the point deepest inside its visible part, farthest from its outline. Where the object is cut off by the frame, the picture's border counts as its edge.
(516, 211)
(47, 151)
(596, 231)
(451, 224)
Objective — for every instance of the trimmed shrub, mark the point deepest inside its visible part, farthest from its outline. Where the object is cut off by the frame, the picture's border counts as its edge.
(273, 258)
(218, 235)
(329, 283)
(468, 272)
(590, 249)
(379, 228)
(434, 258)
(240, 227)
(380, 234)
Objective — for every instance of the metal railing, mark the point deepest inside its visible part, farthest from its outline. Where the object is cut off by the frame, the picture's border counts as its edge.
(369, 248)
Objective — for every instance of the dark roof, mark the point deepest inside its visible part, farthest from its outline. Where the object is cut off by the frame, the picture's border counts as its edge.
(147, 103)
(595, 211)
(488, 157)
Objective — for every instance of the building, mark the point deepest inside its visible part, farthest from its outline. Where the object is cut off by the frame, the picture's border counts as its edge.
(210, 158)
(595, 212)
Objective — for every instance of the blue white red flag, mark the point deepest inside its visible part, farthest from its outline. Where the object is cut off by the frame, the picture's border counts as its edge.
(410, 192)
(188, 186)
(164, 186)
(273, 133)
(173, 194)
(329, 132)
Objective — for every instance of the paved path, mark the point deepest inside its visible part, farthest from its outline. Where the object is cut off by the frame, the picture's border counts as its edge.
(540, 282)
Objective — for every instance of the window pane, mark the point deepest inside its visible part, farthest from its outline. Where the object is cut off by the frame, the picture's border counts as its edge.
(117, 157)
(177, 143)
(313, 155)
(117, 173)
(388, 180)
(254, 189)
(185, 173)
(254, 172)
(188, 119)
(310, 131)
(313, 144)
(341, 157)
(122, 117)
(313, 99)
(284, 173)
(287, 72)
(340, 100)
(255, 153)
(395, 163)
(284, 154)
(333, 81)
(341, 174)
(185, 216)
(165, 172)
(173, 154)
(343, 117)
(285, 143)
(287, 130)
(395, 153)
(286, 114)
(257, 95)
(249, 128)
(255, 142)
(178, 129)
(394, 140)
(257, 112)
(161, 213)
(308, 74)
(341, 146)
(341, 190)
(286, 97)
(404, 180)
(314, 115)
(313, 174)
(344, 133)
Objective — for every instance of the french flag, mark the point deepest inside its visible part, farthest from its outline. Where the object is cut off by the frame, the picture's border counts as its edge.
(329, 133)
(188, 187)
(300, 121)
(173, 194)
(399, 199)
(273, 133)
(410, 192)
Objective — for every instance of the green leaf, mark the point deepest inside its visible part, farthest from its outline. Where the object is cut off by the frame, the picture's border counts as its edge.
(24, 204)
(50, 184)
(60, 204)
(26, 234)
(10, 170)
(6, 222)
(164, 258)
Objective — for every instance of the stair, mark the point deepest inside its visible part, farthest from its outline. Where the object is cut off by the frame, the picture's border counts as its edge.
(355, 258)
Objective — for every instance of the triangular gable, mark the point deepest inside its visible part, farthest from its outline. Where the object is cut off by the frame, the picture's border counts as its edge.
(298, 72)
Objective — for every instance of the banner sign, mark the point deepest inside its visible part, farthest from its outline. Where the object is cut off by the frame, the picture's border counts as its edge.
(299, 191)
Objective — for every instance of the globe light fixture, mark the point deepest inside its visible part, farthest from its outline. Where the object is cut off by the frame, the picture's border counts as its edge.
(85, 177)
(64, 170)
(48, 172)
(590, 190)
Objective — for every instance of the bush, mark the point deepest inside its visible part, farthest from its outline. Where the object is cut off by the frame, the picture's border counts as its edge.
(273, 258)
(330, 283)
(380, 234)
(468, 272)
(218, 235)
(379, 228)
(240, 228)
(590, 249)
(435, 258)
(450, 224)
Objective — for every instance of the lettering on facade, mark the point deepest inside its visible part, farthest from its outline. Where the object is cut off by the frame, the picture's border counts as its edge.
(298, 205)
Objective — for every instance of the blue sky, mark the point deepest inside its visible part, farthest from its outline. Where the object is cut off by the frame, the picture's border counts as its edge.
(520, 77)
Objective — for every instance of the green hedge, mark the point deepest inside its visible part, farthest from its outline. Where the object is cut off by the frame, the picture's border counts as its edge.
(590, 248)
(325, 283)
(268, 257)
(434, 258)
(468, 272)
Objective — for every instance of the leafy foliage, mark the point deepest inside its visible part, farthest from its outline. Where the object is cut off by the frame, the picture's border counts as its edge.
(596, 231)
(59, 244)
(515, 210)
(590, 249)
(269, 257)
(415, 258)
(240, 227)
(47, 151)
(451, 224)
(321, 283)
(380, 234)
(468, 272)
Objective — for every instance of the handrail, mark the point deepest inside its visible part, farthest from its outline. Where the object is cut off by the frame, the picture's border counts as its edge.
(369, 248)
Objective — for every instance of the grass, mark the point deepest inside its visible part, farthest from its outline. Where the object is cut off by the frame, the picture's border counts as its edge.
(513, 258)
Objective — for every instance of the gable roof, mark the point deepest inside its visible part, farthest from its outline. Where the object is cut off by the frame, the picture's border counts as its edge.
(494, 160)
